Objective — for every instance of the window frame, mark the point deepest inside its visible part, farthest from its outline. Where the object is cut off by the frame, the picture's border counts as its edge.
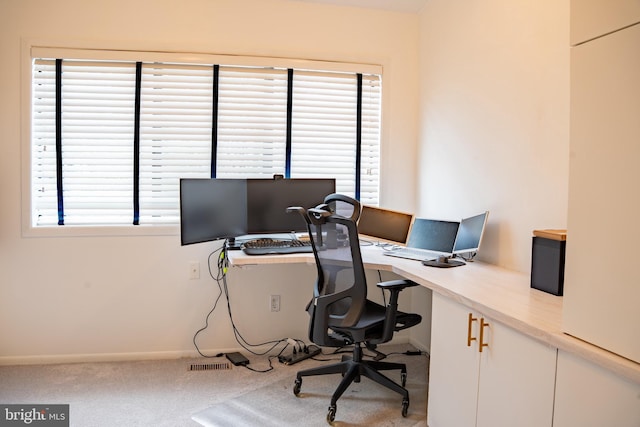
(34, 49)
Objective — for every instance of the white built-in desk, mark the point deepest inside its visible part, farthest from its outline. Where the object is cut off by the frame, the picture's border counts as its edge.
(504, 295)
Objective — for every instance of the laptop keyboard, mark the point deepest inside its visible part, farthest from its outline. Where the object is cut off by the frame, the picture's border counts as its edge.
(413, 253)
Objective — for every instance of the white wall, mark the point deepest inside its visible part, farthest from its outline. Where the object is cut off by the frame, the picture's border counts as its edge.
(491, 113)
(494, 118)
(95, 297)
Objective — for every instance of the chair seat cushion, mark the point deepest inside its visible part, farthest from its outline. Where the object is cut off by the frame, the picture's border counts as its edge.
(370, 325)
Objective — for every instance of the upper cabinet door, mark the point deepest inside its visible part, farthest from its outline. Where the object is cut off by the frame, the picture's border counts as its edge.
(594, 18)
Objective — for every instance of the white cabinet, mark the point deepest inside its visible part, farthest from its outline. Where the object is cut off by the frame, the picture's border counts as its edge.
(601, 291)
(594, 18)
(590, 396)
(510, 382)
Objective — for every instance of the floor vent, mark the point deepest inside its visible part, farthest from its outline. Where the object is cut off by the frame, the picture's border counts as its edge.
(210, 367)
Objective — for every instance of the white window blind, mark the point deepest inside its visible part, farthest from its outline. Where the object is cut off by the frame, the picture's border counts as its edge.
(324, 130)
(175, 133)
(324, 127)
(97, 135)
(252, 122)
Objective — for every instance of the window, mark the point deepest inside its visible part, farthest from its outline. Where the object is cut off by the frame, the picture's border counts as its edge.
(112, 134)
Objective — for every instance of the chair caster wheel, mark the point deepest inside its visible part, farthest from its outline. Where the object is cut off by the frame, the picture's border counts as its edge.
(405, 407)
(331, 415)
(296, 386)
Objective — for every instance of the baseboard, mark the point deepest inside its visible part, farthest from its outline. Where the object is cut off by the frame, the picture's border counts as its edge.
(107, 357)
(419, 345)
(151, 355)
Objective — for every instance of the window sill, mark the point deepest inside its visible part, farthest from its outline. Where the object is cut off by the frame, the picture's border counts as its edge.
(101, 231)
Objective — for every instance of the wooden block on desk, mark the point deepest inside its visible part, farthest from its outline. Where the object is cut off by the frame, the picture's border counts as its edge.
(560, 235)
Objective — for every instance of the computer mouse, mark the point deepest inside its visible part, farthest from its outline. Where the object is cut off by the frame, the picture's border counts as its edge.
(443, 260)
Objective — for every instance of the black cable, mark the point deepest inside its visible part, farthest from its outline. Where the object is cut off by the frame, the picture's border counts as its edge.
(222, 266)
(239, 338)
(214, 305)
(220, 276)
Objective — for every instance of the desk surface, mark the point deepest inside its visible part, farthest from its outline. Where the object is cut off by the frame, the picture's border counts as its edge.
(501, 294)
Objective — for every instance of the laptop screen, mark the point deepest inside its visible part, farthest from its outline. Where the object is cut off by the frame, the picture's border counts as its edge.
(470, 233)
(433, 235)
(392, 226)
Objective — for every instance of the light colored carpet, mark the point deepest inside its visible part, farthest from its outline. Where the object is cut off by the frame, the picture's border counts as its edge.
(363, 404)
(164, 393)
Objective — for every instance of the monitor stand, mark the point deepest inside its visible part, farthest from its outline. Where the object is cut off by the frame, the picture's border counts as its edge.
(443, 262)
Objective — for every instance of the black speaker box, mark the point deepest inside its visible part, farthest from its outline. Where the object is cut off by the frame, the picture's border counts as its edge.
(547, 261)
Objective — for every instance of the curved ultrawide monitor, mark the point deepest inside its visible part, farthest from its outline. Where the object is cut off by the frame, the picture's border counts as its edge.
(212, 209)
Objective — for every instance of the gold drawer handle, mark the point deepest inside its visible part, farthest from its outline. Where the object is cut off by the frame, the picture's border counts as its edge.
(469, 337)
(482, 343)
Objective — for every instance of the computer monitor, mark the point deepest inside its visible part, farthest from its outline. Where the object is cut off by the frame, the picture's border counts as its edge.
(268, 200)
(470, 233)
(433, 235)
(212, 209)
(388, 225)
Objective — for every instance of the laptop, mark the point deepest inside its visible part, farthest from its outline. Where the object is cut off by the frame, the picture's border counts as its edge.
(428, 239)
(431, 239)
(384, 225)
(470, 234)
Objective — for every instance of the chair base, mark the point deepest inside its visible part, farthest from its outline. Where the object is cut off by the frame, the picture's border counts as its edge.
(352, 369)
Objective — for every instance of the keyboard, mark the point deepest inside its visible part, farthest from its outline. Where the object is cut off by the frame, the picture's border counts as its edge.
(413, 253)
(268, 246)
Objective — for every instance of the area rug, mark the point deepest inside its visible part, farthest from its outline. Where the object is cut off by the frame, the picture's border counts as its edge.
(363, 404)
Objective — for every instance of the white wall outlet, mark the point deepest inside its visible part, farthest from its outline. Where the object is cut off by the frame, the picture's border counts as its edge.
(194, 270)
(274, 302)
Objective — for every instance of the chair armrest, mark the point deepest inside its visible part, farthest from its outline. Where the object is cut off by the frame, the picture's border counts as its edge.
(391, 322)
(398, 285)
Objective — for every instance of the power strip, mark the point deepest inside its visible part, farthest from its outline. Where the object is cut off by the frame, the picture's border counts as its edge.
(312, 350)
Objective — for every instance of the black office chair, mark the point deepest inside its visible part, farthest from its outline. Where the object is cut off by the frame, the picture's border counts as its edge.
(340, 312)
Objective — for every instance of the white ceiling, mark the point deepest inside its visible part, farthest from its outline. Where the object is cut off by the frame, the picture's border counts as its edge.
(410, 6)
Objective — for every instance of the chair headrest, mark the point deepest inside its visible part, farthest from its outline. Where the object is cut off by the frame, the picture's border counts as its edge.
(334, 199)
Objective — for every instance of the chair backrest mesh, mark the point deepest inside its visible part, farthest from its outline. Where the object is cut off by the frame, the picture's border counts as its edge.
(339, 263)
